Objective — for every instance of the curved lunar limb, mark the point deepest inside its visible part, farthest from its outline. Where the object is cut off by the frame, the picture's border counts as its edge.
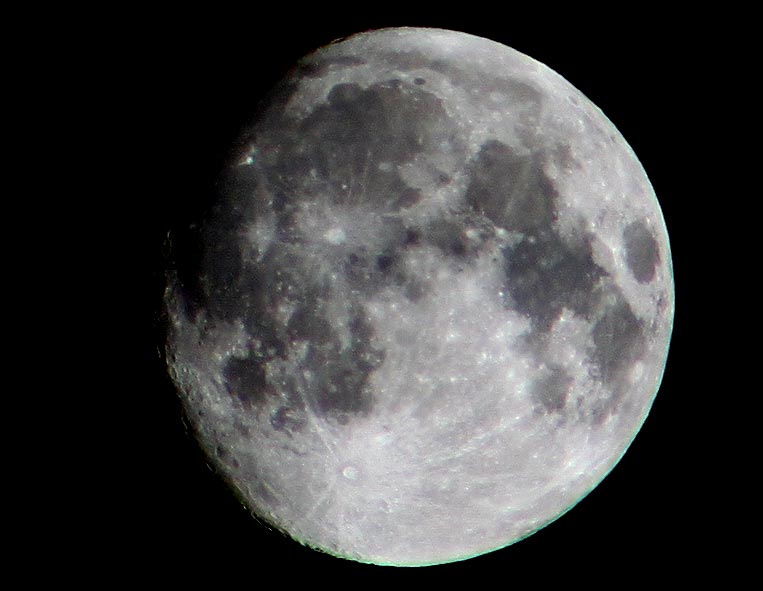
(432, 304)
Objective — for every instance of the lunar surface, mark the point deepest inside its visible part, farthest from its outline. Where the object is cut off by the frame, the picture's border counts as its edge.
(431, 305)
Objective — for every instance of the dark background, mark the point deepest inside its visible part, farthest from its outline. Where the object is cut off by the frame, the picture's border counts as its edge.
(172, 90)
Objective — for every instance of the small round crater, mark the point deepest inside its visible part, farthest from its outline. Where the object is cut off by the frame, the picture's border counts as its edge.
(350, 473)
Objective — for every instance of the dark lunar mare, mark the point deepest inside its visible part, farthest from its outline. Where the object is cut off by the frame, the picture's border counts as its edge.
(618, 338)
(331, 157)
(333, 154)
(511, 189)
(546, 273)
(642, 252)
(551, 391)
(332, 378)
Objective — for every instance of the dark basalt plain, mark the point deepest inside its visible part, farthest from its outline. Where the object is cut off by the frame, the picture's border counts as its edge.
(544, 274)
(643, 254)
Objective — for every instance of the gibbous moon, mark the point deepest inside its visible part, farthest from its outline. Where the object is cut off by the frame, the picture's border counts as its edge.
(431, 305)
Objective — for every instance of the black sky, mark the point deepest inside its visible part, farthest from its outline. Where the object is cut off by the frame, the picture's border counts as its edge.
(180, 85)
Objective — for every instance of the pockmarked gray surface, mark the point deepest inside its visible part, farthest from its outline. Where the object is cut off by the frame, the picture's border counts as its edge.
(432, 305)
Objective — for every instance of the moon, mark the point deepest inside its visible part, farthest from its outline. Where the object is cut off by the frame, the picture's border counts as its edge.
(430, 305)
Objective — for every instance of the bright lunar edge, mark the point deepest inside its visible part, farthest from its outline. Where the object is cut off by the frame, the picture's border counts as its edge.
(431, 305)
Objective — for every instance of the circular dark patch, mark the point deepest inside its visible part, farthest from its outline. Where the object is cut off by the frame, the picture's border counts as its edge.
(641, 251)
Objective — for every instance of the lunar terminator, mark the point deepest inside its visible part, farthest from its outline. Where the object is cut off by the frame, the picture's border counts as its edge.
(431, 306)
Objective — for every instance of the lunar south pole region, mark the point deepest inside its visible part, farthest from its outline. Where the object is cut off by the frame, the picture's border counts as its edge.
(430, 305)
